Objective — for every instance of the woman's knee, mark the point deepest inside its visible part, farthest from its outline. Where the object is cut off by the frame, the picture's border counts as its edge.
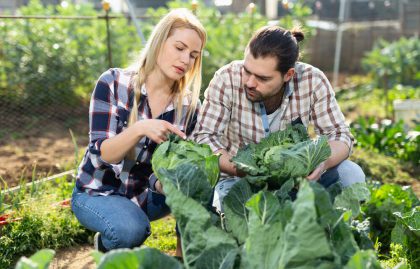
(124, 236)
(350, 173)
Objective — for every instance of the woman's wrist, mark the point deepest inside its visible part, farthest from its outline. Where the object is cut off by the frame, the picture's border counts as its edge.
(139, 129)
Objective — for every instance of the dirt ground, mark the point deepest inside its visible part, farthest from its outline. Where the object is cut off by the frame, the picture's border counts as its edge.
(78, 257)
(48, 154)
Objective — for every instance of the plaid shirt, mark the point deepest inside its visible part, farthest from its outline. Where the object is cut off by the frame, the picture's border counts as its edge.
(228, 120)
(110, 106)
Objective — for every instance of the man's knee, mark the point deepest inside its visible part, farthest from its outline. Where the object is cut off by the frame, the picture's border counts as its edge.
(350, 173)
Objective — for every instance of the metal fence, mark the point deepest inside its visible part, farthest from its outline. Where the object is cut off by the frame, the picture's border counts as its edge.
(48, 67)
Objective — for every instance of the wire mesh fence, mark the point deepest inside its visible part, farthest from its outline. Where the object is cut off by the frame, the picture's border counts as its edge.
(49, 66)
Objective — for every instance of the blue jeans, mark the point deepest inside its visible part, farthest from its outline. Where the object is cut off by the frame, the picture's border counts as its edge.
(120, 221)
(347, 173)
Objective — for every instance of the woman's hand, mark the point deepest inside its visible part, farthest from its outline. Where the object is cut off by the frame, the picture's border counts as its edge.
(159, 187)
(158, 130)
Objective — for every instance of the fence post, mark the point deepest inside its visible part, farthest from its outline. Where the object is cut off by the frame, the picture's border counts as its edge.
(106, 6)
(194, 7)
(338, 41)
(251, 9)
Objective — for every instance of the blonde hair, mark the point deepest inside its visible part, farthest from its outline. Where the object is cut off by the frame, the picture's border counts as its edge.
(176, 19)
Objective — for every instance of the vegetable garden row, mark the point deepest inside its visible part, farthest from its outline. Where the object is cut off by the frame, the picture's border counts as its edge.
(273, 217)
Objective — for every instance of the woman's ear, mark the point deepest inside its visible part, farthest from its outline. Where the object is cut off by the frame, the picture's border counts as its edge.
(290, 73)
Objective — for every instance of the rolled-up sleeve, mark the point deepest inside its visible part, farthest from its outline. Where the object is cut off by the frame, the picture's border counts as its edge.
(326, 114)
(215, 112)
(103, 120)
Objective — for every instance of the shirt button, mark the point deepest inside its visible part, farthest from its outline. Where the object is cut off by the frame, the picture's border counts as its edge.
(145, 146)
(137, 163)
(125, 122)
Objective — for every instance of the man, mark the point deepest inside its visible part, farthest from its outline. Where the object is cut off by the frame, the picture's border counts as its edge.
(269, 89)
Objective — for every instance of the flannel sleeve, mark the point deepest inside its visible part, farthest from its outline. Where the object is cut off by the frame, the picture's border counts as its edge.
(103, 113)
(215, 112)
(326, 114)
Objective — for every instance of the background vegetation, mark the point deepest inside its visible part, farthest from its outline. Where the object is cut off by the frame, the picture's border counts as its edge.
(48, 66)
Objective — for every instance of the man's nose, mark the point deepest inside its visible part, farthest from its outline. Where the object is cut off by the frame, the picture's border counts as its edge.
(251, 82)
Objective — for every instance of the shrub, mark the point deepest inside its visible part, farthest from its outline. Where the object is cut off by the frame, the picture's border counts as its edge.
(56, 62)
(388, 138)
(392, 63)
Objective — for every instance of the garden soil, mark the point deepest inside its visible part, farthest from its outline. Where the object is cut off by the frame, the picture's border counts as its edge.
(46, 154)
(77, 257)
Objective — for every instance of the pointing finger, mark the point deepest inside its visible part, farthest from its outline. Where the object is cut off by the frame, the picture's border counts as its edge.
(176, 131)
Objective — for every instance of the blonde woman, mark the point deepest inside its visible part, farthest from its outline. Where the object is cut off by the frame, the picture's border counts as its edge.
(131, 111)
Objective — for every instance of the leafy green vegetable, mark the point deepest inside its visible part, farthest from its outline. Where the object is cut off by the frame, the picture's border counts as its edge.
(407, 233)
(138, 258)
(175, 151)
(40, 260)
(351, 196)
(264, 227)
(272, 245)
(235, 210)
(284, 155)
(363, 259)
(202, 243)
(190, 180)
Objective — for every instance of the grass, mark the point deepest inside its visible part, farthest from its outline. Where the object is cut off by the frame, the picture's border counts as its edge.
(163, 235)
(42, 224)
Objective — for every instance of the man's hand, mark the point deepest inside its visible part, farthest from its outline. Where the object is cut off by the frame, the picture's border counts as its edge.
(317, 173)
(240, 173)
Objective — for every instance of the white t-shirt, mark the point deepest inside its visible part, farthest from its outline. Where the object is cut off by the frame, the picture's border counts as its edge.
(274, 121)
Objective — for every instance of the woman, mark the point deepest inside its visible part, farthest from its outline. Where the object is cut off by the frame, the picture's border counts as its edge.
(131, 111)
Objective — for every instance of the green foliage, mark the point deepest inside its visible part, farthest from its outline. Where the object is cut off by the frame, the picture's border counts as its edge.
(381, 168)
(260, 227)
(55, 62)
(138, 258)
(176, 153)
(397, 257)
(40, 260)
(368, 101)
(39, 222)
(385, 200)
(388, 138)
(350, 198)
(39, 227)
(281, 156)
(407, 233)
(163, 235)
(394, 63)
(363, 259)
(297, 14)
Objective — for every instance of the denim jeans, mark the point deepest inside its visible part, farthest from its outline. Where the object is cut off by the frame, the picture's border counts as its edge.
(120, 221)
(347, 173)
